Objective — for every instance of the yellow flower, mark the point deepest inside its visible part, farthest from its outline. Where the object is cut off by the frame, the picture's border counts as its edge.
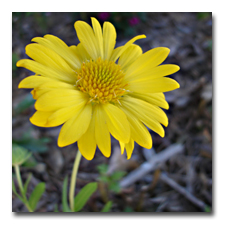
(95, 89)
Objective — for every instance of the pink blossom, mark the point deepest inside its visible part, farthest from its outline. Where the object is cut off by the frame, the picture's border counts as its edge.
(103, 15)
(134, 21)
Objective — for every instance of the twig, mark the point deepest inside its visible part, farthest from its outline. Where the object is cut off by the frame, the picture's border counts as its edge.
(182, 191)
(151, 165)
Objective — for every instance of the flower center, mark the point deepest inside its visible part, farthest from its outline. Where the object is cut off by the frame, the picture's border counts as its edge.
(101, 80)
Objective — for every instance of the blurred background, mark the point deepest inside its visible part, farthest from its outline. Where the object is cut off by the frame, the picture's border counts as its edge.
(179, 166)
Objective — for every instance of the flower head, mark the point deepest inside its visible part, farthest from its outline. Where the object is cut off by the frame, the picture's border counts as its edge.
(96, 90)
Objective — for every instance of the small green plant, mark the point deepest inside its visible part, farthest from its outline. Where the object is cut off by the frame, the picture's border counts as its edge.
(107, 207)
(19, 156)
(110, 180)
(80, 199)
(128, 209)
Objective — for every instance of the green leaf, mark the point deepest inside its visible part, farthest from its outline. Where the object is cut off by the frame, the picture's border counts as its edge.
(19, 154)
(104, 179)
(114, 186)
(83, 196)
(30, 163)
(107, 207)
(27, 182)
(36, 195)
(103, 168)
(65, 206)
(117, 175)
(128, 209)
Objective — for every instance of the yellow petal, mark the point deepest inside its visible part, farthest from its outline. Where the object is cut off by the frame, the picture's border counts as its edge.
(148, 60)
(55, 84)
(37, 92)
(87, 143)
(122, 146)
(87, 38)
(157, 99)
(74, 128)
(157, 72)
(109, 39)
(33, 81)
(102, 135)
(117, 122)
(116, 54)
(61, 48)
(139, 133)
(45, 71)
(60, 98)
(129, 148)
(129, 56)
(40, 118)
(143, 116)
(162, 84)
(62, 115)
(48, 57)
(147, 108)
(43, 82)
(98, 35)
(81, 52)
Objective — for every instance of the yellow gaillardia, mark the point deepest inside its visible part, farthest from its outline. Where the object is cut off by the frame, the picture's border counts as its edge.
(95, 89)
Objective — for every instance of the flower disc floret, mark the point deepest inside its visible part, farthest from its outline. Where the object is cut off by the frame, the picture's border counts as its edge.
(101, 80)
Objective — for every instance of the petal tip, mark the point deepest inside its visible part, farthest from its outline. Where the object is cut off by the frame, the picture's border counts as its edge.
(19, 63)
(106, 154)
(33, 121)
(166, 106)
(142, 36)
(34, 39)
(76, 24)
(60, 143)
(93, 19)
(36, 105)
(20, 84)
(88, 158)
(128, 157)
(166, 124)
(166, 50)
(162, 134)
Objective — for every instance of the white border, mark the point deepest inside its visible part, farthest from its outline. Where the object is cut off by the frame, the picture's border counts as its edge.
(218, 110)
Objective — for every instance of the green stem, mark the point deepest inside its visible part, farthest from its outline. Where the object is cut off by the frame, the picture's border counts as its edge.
(20, 183)
(73, 179)
(18, 177)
